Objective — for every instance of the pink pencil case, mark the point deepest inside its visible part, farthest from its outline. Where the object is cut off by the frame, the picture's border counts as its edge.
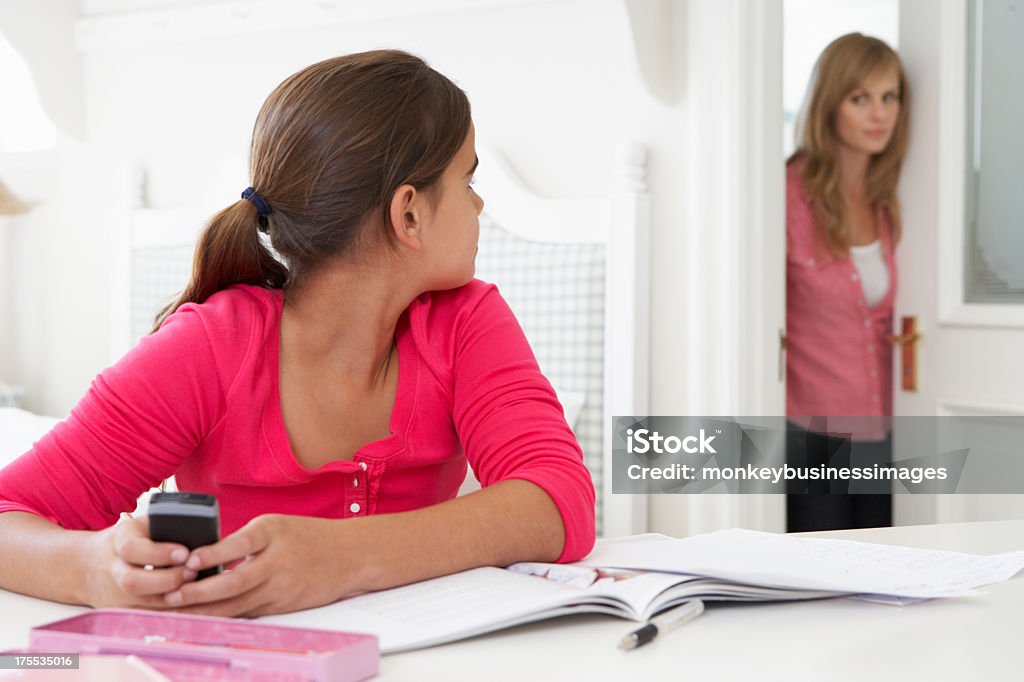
(185, 647)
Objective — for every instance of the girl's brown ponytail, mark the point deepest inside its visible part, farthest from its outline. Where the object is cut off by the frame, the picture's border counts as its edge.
(229, 252)
(330, 147)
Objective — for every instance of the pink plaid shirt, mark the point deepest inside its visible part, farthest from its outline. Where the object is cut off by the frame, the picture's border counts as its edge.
(838, 355)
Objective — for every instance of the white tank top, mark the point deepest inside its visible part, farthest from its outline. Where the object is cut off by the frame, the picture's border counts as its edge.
(874, 274)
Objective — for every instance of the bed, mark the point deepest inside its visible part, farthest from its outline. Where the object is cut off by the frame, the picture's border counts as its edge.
(574, 271)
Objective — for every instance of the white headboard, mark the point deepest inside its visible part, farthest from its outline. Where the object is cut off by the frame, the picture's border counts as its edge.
(562, 241)
(154, 266)
(575, 272)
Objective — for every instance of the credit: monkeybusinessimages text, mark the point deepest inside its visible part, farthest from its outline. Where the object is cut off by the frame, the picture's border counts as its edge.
(815, 455)
(777, 474)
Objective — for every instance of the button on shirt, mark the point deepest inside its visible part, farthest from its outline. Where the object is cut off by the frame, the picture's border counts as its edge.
(838, 356)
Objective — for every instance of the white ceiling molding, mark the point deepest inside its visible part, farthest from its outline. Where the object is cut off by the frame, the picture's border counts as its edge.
(657, 26)
(219, 19)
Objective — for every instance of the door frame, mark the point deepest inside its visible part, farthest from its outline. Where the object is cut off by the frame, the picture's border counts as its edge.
(735, 240)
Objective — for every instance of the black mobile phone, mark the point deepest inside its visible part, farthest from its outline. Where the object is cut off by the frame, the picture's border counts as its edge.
(190, 519)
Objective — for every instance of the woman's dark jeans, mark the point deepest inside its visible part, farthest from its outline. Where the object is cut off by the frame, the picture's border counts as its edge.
(829, 505)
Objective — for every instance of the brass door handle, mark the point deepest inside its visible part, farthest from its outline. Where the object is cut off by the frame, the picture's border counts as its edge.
(904, 339)
(907, 341)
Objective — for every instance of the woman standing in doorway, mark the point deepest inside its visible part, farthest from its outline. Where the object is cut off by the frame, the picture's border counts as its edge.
(842, 225)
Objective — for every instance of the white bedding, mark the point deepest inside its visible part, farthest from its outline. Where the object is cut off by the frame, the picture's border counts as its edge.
(19, 429)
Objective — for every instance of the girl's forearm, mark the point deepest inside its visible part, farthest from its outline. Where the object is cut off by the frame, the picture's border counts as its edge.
(41, 559)
(511, 521)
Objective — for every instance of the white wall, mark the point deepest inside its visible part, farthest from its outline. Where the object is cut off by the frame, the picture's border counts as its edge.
(554, 85)
(41, 313)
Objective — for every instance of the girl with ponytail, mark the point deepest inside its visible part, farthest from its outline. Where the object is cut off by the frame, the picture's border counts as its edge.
(328, 373)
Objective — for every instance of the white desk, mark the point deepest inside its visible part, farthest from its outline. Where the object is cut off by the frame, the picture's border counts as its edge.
(975, 638)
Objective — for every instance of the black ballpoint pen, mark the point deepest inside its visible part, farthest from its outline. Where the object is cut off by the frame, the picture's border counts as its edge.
(659, 625)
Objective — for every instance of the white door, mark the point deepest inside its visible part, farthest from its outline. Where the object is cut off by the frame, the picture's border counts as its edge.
(962, 192)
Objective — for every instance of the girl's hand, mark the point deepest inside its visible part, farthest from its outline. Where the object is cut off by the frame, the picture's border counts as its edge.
(286, 564)
(117, 573)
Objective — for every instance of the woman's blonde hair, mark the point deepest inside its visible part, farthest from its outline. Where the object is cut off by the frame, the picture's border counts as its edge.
(843, 67)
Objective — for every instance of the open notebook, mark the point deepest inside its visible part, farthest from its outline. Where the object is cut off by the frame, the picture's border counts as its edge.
(485, 599)
(640, 576)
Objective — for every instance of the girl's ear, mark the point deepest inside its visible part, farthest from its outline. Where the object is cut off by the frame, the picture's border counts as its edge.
(406, 216)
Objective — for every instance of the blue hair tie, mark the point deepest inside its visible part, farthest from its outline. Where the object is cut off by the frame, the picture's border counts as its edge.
(262, 207)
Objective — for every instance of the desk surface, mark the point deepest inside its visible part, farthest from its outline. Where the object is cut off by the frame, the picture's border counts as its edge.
(969, 638)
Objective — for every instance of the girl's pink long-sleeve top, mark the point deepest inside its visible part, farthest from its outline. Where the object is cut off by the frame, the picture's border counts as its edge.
(199, 400)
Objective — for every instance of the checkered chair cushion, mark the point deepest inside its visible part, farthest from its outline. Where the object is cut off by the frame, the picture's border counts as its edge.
(557, 291)
(159, 274)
